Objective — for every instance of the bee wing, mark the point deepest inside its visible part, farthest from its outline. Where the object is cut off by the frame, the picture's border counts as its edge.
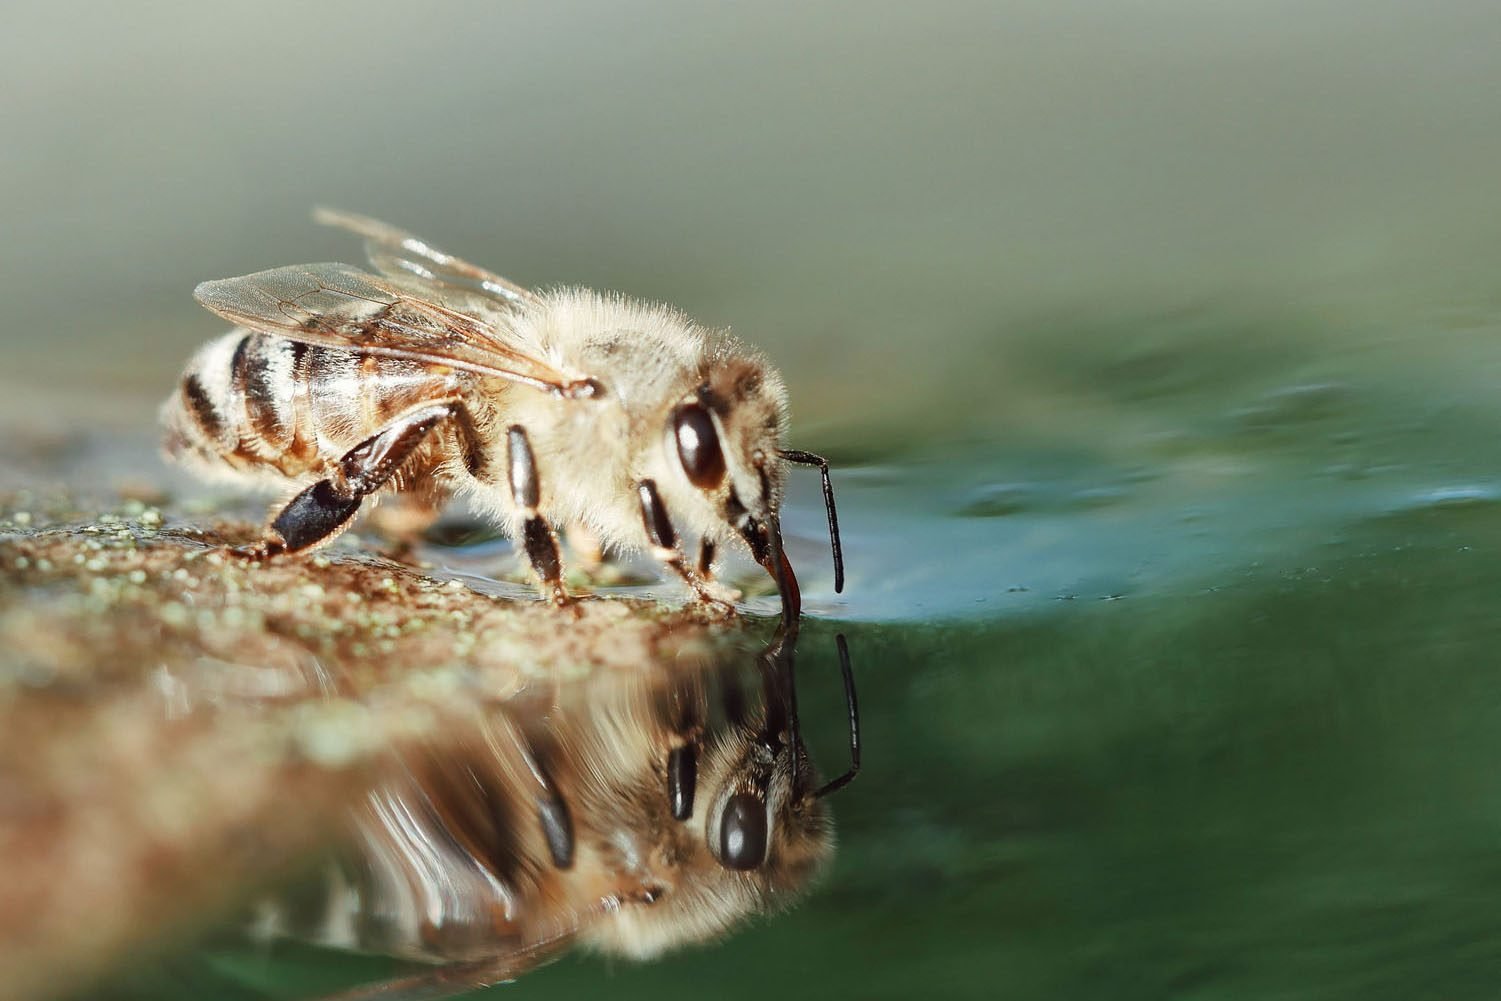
(399, 254)
(336, 305)
(456, 978)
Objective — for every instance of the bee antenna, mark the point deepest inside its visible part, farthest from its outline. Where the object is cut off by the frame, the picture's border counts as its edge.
(853, 705)
(809, 459)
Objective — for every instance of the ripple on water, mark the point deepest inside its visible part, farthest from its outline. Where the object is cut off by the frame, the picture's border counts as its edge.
(1462, 495)
(1000, 500)
(1292, 407)
(1451, 505)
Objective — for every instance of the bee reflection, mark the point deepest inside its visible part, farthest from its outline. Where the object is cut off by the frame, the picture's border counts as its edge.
(631, 816)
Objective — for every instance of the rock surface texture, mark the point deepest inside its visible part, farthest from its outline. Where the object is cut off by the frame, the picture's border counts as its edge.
(179, 727)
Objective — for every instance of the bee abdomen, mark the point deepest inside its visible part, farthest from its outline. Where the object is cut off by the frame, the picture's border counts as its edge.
(241, 404)
(253, 402)
(265, 372)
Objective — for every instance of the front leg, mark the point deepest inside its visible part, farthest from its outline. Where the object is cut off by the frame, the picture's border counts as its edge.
(664, 543)
(320, 511)
(536, 534)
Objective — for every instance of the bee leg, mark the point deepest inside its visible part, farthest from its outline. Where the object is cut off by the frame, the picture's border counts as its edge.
(323, 508)
(682, 759)
(552, 812)
(682, 779)
(720, 593)
(403, 517)
(585, 548)
(557, 828)
(664, 543)
(662, 536)
(537, 535)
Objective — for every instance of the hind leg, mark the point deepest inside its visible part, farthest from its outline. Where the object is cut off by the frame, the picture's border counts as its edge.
(323, 509)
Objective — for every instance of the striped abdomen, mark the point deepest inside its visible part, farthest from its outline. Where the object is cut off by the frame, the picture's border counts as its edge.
(257, 403)
(446, 864)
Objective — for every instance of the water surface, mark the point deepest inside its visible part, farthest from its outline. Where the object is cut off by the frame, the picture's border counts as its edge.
(1189, 692)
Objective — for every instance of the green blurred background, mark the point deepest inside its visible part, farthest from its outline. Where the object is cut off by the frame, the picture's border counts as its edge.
(1157, 345)
(884, 195)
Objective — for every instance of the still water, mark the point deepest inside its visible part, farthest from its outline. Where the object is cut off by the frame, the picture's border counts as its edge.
(1185, 690)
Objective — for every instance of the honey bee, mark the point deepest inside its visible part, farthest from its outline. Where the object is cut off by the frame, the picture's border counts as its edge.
(434, 377)
(630, 823)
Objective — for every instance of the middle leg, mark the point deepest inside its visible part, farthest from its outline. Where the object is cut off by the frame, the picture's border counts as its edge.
(536, 534)
(404, 514)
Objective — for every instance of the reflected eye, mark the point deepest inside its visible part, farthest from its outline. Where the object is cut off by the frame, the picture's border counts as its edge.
(698, 446)
(742, 832)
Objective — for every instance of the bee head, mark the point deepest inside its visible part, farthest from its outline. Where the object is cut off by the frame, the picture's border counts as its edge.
(757, 842)
(698, 897)
(725, 433)
(763, 818)
(768, 793)
(761, 832)
(725, 437)
(727, 468)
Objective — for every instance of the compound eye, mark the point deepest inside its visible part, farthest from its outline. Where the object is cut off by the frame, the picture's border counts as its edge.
(742, 832)
(698, 446)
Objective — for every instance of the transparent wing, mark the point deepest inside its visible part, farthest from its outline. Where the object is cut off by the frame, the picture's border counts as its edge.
(457, 978)
(399, 254)
(339, 306)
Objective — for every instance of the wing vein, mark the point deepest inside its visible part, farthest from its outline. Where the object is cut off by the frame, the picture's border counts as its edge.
(338, 306)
